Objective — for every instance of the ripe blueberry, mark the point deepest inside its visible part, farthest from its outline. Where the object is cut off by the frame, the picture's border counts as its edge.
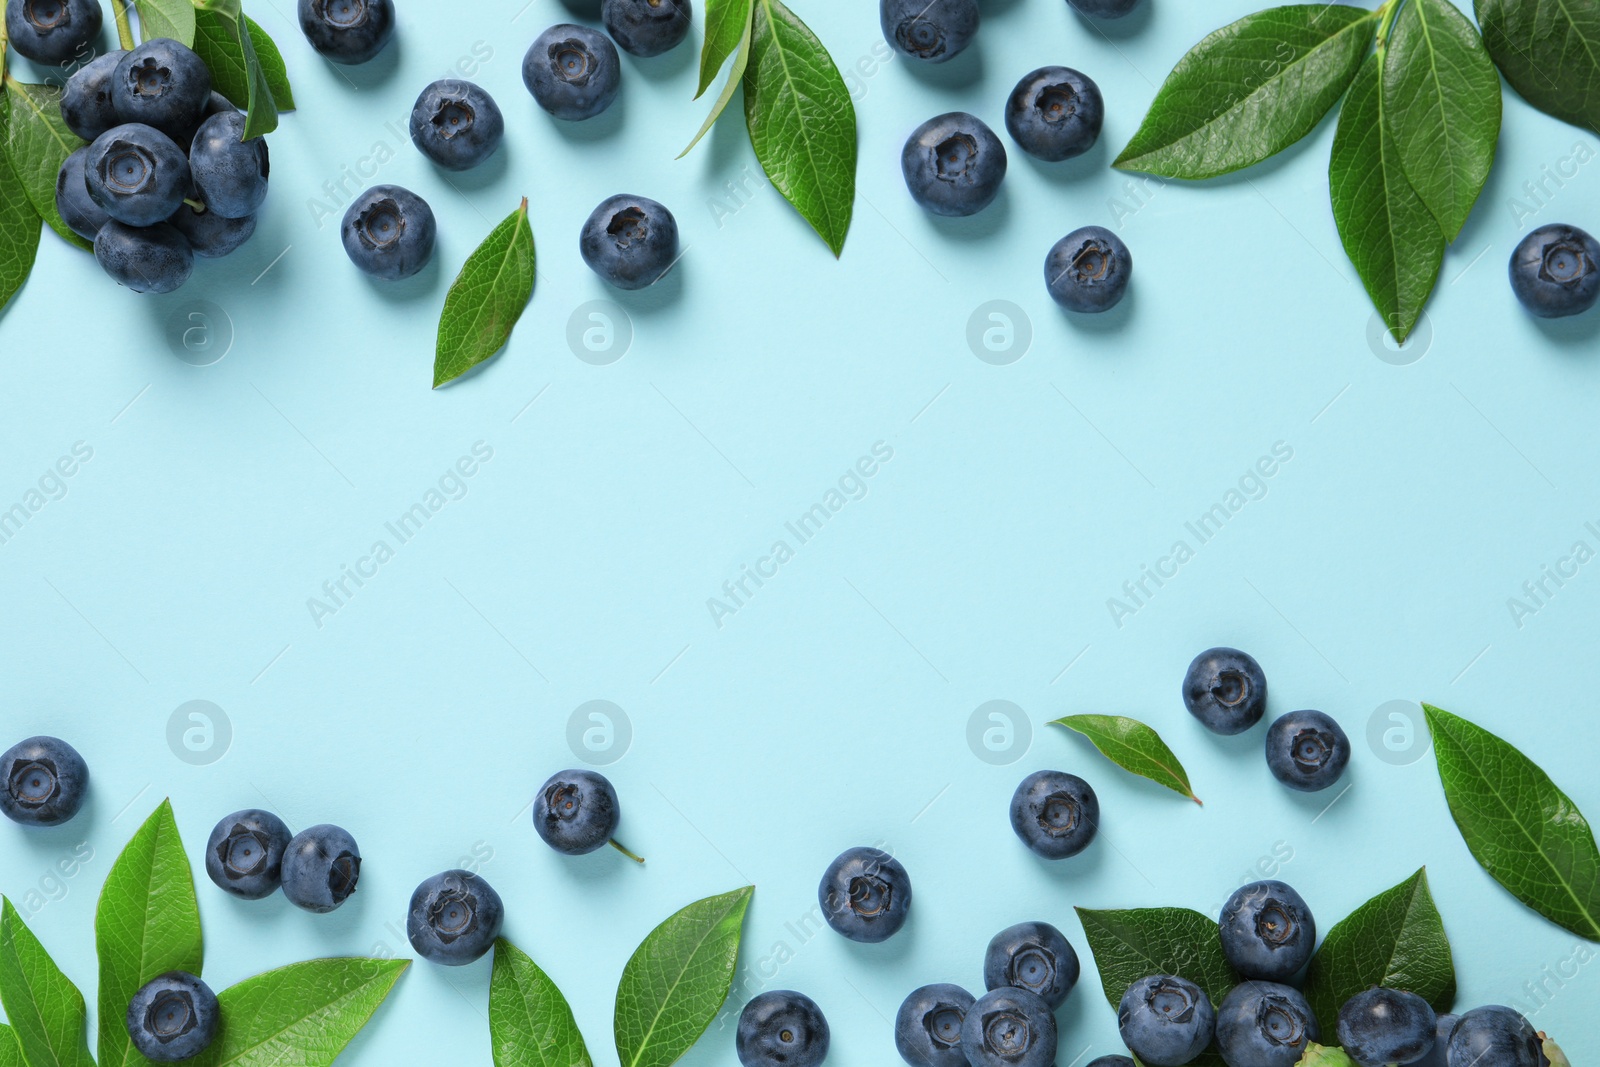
(136, 174)
(630, 241)
(161, 83)
(321, 868)
(927, 1028)
(1105, 9)
(211, 236)
(229, 172)
(577, 812)
(1055, 113)
(1112, 1061)
(953, 164)
(1225, 690)
(173, 1017)
(1439, 1055)
(1494, 1036)
(1267, 931)
(1307, 750)
(1088, 270)
(865, 895)
(76, 207)
(454, 918)
(45, 782)
(389, 232)
(1165, 1020)
(52, 31)
(930, 30)
(146, 259)
(244, 855)
(1056, 814)
(1380, 1026)
(347, 31)
(1034, 956)
(572, 71)
(647, 27)
(1264, 1024)
(782, 1028)
(1555, 271)
(86, 104)
(456, 124)
(1009, 1028)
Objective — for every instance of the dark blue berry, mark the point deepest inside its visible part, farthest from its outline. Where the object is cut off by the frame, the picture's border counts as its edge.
(229, 172)
(456, 124)
(953, 164)
(321, 868)
(1267, 931)
(136, 174)
(1439, 1055)
(244, 855)
(173, 1018)
(146, 259)
(86, 103)
(45, 782)
(647, 27)
(1034, 956)
(1555, 271)
(782, 1028)
(1055, 113)
(630, 241)
(347, 31)
(1056, 814)
(1009, 1028)
(76, 207)
(1264, 1024)
(210, 235)
(930, 30)
(454, 918)
(865, 895)
(577, 812)
(52, 31)
(1112, 1061)
(927, 1028)
(389, 232)
(572, 71)
(1381, 1026)
(1494, 1036)
(164, 84)
(1165, 1020)
(1088, 270)
(1105, 9)
(1307, 750)
(1226, 690)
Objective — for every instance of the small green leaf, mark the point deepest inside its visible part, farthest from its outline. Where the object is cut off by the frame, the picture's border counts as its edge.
(486, 299)
(741, 63)
(1397, 940)
(1518, 824)
(727, 24)
(236, 72)
(10, 1051)
(530, 1022)
(148, 923)
(165, 18)
(1134, 747)
(272, 67)
(19, 232)
(1549, 50)
(802, 121)
(1132, 944)
(1250, 90)
(37, 142)
(46, 1011)
(678, 979)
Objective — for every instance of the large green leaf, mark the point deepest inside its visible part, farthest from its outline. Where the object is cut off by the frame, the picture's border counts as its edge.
(1518, 824)
(530, 1022)
(1549, 50)
(19, 231)
(678, 979)
(741, 63)
(165, 18)
(37, 142)
(1250, 90)
(223, 40)
(802, 121)
(1441, 101)
(727, 24)
(1397, 940)
(148, 923)
(1388, 232)
(1134, 747)
(486, 299)
(45, 1009)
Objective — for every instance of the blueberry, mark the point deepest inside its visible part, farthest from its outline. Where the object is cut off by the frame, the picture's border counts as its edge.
(782, 1028)
(1009, 1028)
(244, 855)
(454, 918)
(456, 124)
(630, 241)
(389, 232)
(136, 174)
(930, 30)
(865, 895)
(1056, 814)
(1088, 270)
(173, 1017)
(1264, 1024)
(1105, 9)
(45, 782)
(52, 31)
(229, 172)
(1267, 931)
(572, 71)
(1555, 271)
(1032, 956)
(163, 84)
(927, 1028)
(1307, 750)
(76, 207)
(1439, 1055)
(321, 868)
(577, 812)
(86, 104)
(1225, 689)
(146, 259)
(953, 164)
(647, 27)
(1494, 1036)
(1055, 113)
(211, 236)
(1165, 1020)
(1112, 1061)
(1380, 1026)
(347, 31)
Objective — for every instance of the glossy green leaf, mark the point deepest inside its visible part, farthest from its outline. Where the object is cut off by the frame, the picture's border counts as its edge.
(1250, 90)
(530, 1022)
(1441, 101)
(1518, 824)
(486, 299)
(20, 227)
(1131, 944)
(45, 1010)
(37, 142)
(802, 121)
(1134, 747)
(165, 18)
(272, 66)
(1388, 232)
(1397, 940)
(741, 63)
(727, 24)
(147, 923)
(1549, 50)
(678, 979)
(223, 40)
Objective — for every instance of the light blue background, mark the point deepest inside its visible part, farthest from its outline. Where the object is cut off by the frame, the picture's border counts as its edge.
(832, 708)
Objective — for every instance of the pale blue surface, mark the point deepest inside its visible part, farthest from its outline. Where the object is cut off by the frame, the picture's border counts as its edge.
(832, 709)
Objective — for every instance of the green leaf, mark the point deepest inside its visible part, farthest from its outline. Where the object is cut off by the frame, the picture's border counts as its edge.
(302, 1015)
(1129, 945)
(148, 923)
(19, 235)
(486, 299)
(741, 63)
(1397, 940)
(1553, 1053)
(37, 143)
(10, 1051)
(1549, 50)
(272, 67)
(727, 24)
(236, 71)
(1441, 101)
(165, 18)
(678, 979)
(1519, 826)
(45, 1009)
(530, 1022)
(1250, 90)
(1134, 747)
(1388, 232)
(802, 121)
(1317, 1055)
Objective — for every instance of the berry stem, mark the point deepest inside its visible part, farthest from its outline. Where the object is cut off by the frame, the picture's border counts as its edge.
(119, 10)
(199, 206)
(622, 849)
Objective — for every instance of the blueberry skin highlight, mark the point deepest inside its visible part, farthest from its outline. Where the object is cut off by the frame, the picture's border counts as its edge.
(577, 812)
(244, 855)
(321, 868)
(1105, 9)
(1034, 956)
(865, 895)
(456, 124)
(1055, 814)
(647, 28)
(572, 72)
(76, 207)
(933, 31)
(1226, 690)
(1381, 1026)
(136, 174)
(1165, 1020)
(953, 164)
(1264, 1024)
(45, 782)
(1494, 1036)
(347, 31)
(927, 1028)
(230, 173)
(146, 259)
(1055, 113)
(173, 1018)
(211, 236)
(1267, 931)
(389, 232)
(1555, 271)
(454, 918)
(630, 241)
(86, 103)
(52, 31)
(1307, 751)
(782, 1028)
(1009, 1028)
(1088, 270)
(164, 84)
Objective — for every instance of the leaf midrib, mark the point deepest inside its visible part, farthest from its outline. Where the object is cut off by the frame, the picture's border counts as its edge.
(788, 80)
(321, 1009)
(1420, 6)
(711, 928)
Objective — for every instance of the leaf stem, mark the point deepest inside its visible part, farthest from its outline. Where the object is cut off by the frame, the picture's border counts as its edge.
(119, 9)
(1388, 11)
(620, 848)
